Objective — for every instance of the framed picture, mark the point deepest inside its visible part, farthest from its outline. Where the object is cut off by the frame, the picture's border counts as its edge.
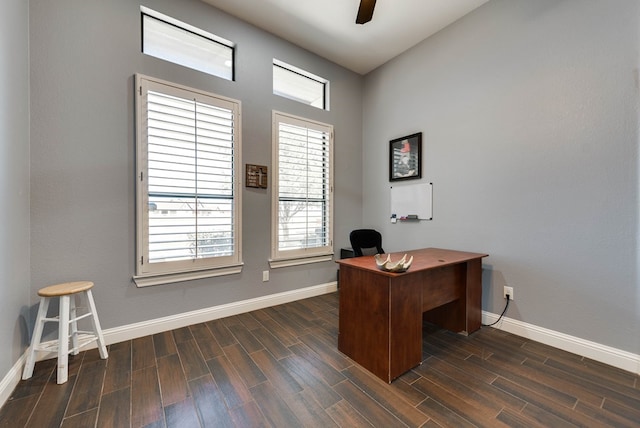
(405, 157)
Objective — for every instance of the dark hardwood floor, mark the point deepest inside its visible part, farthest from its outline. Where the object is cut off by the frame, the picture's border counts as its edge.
(279, 367)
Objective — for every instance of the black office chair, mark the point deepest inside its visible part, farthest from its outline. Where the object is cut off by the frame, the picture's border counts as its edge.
(362, 239)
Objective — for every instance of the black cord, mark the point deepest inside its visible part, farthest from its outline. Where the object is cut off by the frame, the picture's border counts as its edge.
(501, 315)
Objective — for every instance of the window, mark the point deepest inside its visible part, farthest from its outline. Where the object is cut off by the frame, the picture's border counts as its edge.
(188, 204)
(175, 41)
(302, 207)
(299, 85)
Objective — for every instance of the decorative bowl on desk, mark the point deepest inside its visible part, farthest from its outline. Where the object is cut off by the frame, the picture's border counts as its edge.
(389, 266)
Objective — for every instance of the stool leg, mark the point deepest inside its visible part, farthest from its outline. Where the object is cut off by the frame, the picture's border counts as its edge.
(73, 326)
(36, 338)
(63, 339)
(96, 325)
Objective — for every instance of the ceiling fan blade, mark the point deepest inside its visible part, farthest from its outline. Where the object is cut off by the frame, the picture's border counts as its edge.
(365, 11)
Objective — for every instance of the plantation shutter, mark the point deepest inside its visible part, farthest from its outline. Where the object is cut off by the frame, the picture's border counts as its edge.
(190, 179)
(304, 185)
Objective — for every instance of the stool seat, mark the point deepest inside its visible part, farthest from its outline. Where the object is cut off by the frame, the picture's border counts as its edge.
(65, 288)
(67, 320)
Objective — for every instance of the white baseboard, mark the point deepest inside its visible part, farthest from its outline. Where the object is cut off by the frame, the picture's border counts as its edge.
(605, 354)
(10, 381)
(158, 325)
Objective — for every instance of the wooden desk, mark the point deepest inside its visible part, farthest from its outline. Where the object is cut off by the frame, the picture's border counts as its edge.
(381, 313)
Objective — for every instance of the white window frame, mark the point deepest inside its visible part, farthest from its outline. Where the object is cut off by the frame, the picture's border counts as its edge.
(174, 271)
(183, 44)
(292, 257)
(293, 86)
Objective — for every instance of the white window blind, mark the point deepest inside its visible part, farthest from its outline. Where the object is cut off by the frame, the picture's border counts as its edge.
(304, 188)
(188, 206)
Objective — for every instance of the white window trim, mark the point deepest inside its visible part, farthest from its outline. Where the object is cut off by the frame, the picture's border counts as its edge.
(308, 75)
(310, 255)
(184, 25)
(196, 31)
(146, 275)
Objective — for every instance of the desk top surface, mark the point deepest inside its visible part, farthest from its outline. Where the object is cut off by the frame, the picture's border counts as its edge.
(426, 258)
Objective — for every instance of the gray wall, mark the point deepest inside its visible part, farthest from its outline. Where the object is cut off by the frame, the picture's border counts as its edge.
(529, 114)
(83, 56)
(14, 181)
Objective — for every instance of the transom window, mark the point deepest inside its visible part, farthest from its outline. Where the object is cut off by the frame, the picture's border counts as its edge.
(300, 85)
(303, 191)
(178, 42)
(188, 204)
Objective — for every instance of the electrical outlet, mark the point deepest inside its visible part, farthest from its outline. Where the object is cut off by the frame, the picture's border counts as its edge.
(265, 275)
(509, 291)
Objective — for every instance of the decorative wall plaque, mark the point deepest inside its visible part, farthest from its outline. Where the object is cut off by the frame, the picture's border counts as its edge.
(256, 176)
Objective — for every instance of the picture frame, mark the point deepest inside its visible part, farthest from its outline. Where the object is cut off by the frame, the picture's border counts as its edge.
(405, 157)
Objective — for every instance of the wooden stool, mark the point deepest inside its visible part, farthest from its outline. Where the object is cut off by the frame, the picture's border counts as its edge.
(67, 318)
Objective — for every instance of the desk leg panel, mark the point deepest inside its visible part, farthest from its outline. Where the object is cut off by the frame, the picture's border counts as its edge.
(364, 319)
(474, 295)
(406, 325)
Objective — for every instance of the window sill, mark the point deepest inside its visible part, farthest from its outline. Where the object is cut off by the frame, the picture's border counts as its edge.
(279, 263)
(149, 280)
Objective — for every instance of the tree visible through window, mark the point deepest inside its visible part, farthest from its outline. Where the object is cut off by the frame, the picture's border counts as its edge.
(303, 188)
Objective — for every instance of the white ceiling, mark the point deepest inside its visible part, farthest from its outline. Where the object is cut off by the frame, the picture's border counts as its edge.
(328, 28)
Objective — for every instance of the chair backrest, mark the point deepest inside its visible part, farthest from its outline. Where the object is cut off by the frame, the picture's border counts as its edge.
(365, 238)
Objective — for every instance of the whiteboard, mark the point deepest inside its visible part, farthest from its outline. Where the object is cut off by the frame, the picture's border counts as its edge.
(412, 200)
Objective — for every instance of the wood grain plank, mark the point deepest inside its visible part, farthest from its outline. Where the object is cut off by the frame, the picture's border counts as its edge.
(16, 412)
(87, 390)
(457, 404)
(208, 345)
(233, 389)
(283, 334)
(245, 338)
(591, 380)
(146, 402)
(250, 373)
(317, 365)
(164, 344)
(249, 321)
(271, 343)
(545, 409)
(173, 384)
(446, 373)
(248, 415)
(182, 335)
(49, 410)
(442, 415)
(606, 418)
(308, 411)
(375, 413)
(379, 391)
(327, 351)
(310, 381)
(509, 369)
(81, 420)
(115, 409)
(279, 378)
(209, 403)
(192, 360)
(118, 373)
(221, 333)
(345, 415)
(273, 406)
(143, 353)
(182, 414)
